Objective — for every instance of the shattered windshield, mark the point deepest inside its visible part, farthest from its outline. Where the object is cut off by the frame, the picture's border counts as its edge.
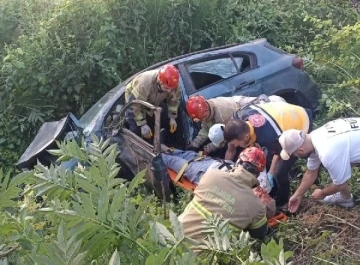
(95, 110)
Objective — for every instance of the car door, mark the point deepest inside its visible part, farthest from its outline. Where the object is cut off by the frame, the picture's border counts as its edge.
(225, 74)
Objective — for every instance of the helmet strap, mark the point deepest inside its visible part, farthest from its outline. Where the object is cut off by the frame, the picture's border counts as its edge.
(250, 168)
(251, 133)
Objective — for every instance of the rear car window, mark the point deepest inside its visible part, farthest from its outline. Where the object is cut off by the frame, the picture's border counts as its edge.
(211, 71)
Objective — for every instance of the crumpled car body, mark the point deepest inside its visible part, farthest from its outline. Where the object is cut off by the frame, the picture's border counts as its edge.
(135, 154)
(249, 69)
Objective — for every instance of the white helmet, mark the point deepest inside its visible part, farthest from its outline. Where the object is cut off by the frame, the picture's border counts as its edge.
(216, 134)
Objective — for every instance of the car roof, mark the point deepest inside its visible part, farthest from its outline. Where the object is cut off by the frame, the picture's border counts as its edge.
(119, 89)
(204, 53)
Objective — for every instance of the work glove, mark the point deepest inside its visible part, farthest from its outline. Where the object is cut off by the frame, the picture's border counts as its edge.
(146, 131)
(192, 147)
(173, 125)
(209, 148)
(270, 179)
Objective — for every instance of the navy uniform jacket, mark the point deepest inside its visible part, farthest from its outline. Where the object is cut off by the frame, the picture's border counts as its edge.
(268, 120)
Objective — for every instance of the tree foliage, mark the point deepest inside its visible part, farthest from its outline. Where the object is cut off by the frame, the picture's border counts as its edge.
(61, 56)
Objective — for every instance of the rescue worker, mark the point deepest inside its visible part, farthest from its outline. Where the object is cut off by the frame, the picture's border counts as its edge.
(216, 110)
(216, 136)
(229, 194)
(154, 87)
(263, 125)
(336, 145)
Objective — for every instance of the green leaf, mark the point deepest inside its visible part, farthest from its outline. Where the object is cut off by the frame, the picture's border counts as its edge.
(79, 259)
(139, 178)
(115, 182)
(151, 260)
(87, 186)
(164, 234)
(9, 227)
(78, 87)
(55, 152)
(62, 236)
(21, 177)
(117, 201)
(4, 180)
(19, 65)
(45, 189)
(42, 260)
(73, 249)
(176, 226)
(103, 205)
(88, 205)
(115, 258)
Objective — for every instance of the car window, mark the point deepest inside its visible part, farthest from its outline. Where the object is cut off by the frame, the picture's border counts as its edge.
(113, 116)
(95, 110)
(208, 72)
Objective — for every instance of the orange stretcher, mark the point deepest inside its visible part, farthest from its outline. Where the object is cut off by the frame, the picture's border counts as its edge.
(184, 183)
(275, 220)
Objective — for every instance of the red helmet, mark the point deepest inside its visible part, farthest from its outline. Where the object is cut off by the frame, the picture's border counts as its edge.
(255, 156)
(169, 76)
(196, 107)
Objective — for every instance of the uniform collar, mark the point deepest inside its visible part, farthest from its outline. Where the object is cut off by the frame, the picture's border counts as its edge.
(211, 108)
(252, 134)
(246, 177)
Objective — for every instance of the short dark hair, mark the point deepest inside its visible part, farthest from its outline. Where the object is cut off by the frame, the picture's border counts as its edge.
(235, 130)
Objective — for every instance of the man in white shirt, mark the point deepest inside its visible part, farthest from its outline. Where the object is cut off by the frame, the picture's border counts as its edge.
(336, 145)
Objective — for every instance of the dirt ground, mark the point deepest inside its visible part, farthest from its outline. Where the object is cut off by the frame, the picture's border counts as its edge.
(321, 234)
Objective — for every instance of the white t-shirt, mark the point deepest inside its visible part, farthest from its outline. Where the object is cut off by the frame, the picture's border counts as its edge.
(337, 146)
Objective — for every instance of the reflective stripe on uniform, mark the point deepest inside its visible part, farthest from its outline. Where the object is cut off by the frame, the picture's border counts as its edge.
(201, 210)
(128, 92)
(172, 109)
(259, 223)
(134, 91)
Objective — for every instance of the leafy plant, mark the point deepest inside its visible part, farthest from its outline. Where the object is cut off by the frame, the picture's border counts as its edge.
(90, 215)
(61, 56)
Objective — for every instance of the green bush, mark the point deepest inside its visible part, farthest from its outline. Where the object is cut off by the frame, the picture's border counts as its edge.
(335, 62)
(62, 56)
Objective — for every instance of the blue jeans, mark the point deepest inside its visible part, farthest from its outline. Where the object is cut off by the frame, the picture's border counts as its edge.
(176, 159)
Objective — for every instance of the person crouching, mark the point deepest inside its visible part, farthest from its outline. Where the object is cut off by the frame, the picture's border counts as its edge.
(230, 194)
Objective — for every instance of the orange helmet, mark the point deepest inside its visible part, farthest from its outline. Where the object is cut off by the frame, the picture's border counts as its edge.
(196, 107)
(169, 76)
(254, 156)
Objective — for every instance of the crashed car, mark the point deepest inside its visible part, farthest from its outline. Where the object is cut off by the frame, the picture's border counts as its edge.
(249, 69)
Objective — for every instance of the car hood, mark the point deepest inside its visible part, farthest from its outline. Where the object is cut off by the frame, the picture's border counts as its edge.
(46, 138)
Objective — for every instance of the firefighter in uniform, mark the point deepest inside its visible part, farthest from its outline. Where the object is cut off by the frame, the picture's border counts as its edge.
(154, 87)
(264, 124)
(230, 194)
(216, 110)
